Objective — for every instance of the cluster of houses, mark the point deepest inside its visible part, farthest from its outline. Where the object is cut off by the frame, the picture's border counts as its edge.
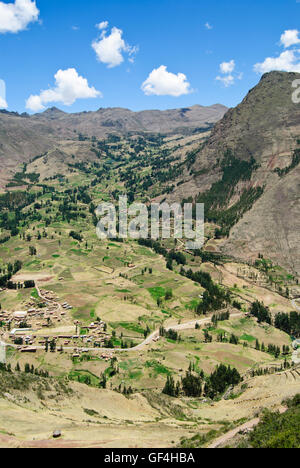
(36, 318)
(23, 328)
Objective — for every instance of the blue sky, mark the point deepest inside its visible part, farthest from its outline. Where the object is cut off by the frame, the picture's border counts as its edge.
(150, 42)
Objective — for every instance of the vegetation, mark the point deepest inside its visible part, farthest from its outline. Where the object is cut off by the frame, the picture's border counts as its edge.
(234, 170)
(295, 162)
(278, 430)
(195, 385)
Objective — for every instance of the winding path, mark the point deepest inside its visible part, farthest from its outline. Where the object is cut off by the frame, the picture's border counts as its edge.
(46, 299)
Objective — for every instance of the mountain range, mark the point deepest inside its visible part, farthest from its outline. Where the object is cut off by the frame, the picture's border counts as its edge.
(22, 137)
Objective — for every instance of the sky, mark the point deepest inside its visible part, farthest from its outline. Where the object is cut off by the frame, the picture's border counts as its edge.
(141, 54)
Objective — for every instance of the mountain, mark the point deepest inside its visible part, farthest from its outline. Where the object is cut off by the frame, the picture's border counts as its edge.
(122, 121)
(247, 173)
(23, 137)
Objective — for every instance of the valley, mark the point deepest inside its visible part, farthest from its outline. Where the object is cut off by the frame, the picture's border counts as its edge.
(144, 343)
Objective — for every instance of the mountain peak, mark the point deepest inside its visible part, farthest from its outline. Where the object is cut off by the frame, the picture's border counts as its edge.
(53, 111)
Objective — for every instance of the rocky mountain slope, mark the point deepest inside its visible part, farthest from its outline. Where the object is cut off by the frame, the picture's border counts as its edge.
(247, 173)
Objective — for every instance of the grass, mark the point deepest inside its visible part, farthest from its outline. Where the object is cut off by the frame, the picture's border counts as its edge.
(135, 375)
(158, 368)
(35, 294)
(131, 326)
(81, 375)
(157, 292)
(248, 338)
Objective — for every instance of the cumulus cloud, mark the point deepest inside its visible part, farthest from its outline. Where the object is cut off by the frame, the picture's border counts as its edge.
(69, 87)
(287, 61)
(290, 37)
(208, 26)
(160, 82)
(228, 78)
(110, 48)
(15, 17)
(102, 25)
(3, 103)
(227, 67)
(227, 81)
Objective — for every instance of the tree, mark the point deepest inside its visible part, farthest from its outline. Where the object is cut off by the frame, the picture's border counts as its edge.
(32, 250)
(192, 385)
(169, 388)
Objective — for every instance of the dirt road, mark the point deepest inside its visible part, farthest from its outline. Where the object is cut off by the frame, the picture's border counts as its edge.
(244, 427)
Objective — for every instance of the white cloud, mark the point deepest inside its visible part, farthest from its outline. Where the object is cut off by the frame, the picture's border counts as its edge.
(160, 82)
(227, 67)
(3, 103)
(290, 37)
(15, 17)
(110, 49)
(35, 103)
(227, 81)
(69, 87)
(102, 25)
(287, 61)
(208, 26)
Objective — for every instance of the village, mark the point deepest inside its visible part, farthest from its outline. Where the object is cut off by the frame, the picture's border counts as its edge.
(45, 325)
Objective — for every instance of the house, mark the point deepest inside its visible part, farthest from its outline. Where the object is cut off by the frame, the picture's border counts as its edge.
(19, 331)
(28, 350)
(20, 315)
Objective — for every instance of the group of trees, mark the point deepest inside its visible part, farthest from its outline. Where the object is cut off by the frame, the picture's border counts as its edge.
(272, 349)
(76, 236)
(294, 163)
(50, 345)
(11, 210)
(289, 323)
(271, 370)
(217, 198)
(169, 334)
(214, 298)
(221, 317)
(261, 312)
(7, 271)
(195, 384)
(28, 369)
